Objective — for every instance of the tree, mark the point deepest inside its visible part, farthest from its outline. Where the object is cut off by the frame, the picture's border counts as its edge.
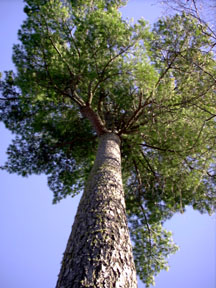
(84, 75)
(202, 11)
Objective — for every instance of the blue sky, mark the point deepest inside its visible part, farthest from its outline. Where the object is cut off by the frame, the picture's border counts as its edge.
(34, 232)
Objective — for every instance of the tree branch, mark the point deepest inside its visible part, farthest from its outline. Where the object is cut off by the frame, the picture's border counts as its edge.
(94, 119)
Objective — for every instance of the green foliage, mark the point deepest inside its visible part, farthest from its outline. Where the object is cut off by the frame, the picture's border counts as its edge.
(52, 139)
(154, 88)
(153, 245)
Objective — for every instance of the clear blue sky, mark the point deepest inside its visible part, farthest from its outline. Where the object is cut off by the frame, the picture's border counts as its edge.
(34, 232)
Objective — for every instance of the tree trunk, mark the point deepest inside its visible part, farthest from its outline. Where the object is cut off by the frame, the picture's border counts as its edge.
(99, 252)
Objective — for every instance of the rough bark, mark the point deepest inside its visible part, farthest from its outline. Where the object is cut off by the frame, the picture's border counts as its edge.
(99, 252)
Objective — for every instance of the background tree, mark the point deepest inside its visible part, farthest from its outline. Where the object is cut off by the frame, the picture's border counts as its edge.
(151, 71)
(202, 11)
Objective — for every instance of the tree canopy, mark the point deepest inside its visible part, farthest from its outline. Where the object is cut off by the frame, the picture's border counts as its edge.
(155, 87)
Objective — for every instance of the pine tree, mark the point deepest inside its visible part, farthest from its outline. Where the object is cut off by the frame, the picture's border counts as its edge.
(145, 97)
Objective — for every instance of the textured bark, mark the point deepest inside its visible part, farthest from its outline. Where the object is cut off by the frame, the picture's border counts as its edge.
(99, 252)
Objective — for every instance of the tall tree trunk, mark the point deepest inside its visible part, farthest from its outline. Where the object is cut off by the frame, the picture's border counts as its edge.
(99, 252)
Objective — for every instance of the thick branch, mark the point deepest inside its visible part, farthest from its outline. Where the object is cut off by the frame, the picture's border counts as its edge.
(95, 120)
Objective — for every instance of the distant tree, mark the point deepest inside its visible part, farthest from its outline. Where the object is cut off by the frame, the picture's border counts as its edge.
(201, 10)
(86, 78)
